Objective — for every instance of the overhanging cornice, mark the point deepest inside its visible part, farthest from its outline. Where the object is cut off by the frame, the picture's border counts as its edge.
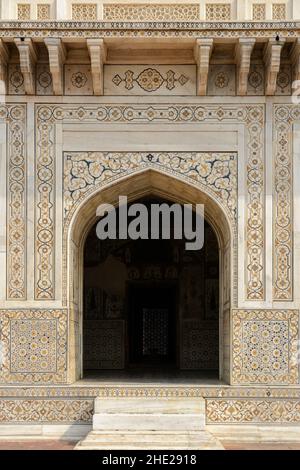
(38, 29)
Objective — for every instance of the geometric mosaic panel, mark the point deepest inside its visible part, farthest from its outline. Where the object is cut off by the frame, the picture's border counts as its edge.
(154, 12)
(200, 345)
(103, 344)
(34, 346)
(265, 346)
(261, 342)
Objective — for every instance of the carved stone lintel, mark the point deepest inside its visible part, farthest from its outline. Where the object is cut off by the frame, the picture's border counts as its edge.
(97, 51)
(243, 53)
(57, 58)
(295, 59)
(28, 58)
(3, 67)
(272, 55)
(202, 52)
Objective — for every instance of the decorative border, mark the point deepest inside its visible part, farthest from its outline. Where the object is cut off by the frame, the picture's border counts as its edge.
(283, 118)
(251, 116)
(45, 411)
(246, 411)
(191, 29)
(80, 410)
(45, 214)
(131, 391)
(241, 375)
(15, 117)
(60, 375)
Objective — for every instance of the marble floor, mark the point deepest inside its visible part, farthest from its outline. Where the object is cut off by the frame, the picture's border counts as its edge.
(151, 377)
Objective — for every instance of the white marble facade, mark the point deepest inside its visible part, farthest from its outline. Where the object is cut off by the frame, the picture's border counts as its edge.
(150, 113)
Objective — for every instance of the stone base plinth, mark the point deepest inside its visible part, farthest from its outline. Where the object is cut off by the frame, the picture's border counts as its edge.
(147, 423)
(150, 440)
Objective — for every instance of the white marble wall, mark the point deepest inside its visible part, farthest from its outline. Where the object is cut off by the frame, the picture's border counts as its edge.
(148, 135)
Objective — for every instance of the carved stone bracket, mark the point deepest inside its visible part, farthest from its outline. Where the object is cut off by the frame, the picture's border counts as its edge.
(97, 51)
(3, 67)
(243, 53)
(28, 59)
(57, 57)
(202, 53)
(272, 55)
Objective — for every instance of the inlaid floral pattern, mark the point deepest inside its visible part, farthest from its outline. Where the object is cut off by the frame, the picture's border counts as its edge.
(150, 79)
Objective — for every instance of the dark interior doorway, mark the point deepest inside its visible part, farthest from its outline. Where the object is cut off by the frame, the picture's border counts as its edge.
(151, 305)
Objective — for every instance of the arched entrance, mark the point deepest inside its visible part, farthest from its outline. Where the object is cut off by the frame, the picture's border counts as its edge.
(160, 186)
(150, 307)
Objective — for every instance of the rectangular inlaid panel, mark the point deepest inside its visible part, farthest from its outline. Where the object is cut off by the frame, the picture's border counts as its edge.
(34, 346)
(265, 346)
(150, 80)
(154, 12)
(103, 344)
(46, 411)
(200, 345)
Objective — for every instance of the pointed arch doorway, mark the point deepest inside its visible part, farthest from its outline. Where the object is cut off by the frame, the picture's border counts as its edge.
(144, 311)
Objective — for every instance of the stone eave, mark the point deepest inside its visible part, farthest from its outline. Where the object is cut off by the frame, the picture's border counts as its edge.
(75, 29)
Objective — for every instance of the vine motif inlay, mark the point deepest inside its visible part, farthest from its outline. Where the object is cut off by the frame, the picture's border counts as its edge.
(86, 171)
(15, 117)
(284, 117)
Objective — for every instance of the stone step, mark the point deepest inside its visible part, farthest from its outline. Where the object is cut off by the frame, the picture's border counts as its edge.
(142, 414)
(149, 405)
(149, 423)
(150, 440)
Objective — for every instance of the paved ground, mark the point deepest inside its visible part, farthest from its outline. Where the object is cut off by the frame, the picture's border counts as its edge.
(69, 445)
(42, 444)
